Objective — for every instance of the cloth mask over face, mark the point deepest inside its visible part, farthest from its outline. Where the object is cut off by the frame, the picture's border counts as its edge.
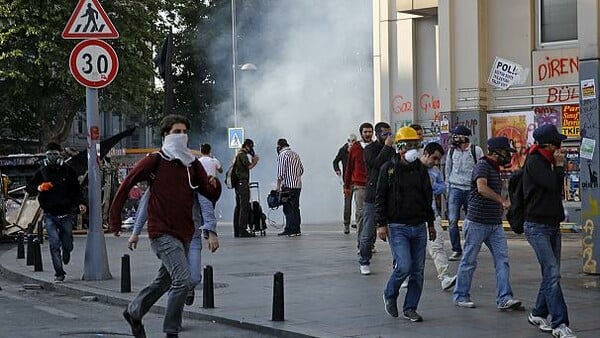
(175, 146)
(503, 160)
(411, 155)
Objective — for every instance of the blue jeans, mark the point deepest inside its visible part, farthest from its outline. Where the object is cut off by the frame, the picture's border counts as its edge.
(494, 238)
(546, 242)
(457, 198)
(367, 236)
(60, 236)
(173, 276)
(195, 258)
(407, 243)
(291, 210)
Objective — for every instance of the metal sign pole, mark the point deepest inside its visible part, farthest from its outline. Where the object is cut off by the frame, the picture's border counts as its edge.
(96, 259)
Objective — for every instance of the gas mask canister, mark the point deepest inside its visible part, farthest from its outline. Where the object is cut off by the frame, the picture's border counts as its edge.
(503, 158)
(53, 157)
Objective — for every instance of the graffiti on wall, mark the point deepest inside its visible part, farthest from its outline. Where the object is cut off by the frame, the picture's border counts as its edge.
(428, 103)
(555, 69)
(589, 263)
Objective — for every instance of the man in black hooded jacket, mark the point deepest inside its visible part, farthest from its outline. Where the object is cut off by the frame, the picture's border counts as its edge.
(60, 197)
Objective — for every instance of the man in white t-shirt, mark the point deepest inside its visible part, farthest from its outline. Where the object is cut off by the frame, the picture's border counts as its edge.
(211, 165)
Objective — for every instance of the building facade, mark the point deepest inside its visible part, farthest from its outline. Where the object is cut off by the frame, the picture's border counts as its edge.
(500, 67)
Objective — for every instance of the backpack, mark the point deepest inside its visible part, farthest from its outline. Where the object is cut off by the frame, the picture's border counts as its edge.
(230, 176)
(473, 153)
(516, 213)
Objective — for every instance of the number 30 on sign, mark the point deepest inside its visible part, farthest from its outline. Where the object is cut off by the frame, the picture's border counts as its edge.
(94, 63)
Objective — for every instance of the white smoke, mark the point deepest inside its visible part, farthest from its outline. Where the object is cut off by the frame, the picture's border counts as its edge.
(314, 89)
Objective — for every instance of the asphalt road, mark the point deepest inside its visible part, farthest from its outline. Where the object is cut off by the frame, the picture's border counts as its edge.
(32, 312)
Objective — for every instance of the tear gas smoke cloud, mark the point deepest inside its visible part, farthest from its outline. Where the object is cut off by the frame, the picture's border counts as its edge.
(314, 88)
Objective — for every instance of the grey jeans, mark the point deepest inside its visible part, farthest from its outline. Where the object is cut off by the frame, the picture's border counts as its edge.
(173, 276)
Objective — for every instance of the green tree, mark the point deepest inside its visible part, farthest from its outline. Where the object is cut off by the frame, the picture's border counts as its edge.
(39, 96)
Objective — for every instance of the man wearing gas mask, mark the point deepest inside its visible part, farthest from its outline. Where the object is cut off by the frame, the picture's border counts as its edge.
(61, 199)
(244, 161)
(483, 224)
(459, 165)
(405, 216)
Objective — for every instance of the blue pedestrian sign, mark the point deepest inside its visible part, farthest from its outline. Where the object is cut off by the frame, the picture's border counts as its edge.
(235, 137)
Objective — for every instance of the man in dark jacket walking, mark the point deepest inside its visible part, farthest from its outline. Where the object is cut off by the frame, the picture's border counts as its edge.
(60, 197)
(403, 211)
(342, 157)
(375, 155)
(542, 188)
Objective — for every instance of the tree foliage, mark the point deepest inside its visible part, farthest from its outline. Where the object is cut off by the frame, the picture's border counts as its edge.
(39, 96)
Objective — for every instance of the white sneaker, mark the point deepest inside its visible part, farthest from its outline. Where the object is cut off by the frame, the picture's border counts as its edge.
(540, 322)
(365, 270)
(563, 331)
(404, 284)
(448, 282)
(465, 303)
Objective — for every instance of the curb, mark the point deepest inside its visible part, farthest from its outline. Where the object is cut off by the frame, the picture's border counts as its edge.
(158, 309)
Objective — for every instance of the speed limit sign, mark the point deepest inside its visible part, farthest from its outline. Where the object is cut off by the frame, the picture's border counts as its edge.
(94, 63)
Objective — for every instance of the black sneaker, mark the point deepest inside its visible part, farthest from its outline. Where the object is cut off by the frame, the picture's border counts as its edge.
(172, 335)
(66, 257)
(412, 315)
(246, 234)
(294, 234)
(284, 233)
(137, 328)
(189, 299)
(455, 256)
(390, 306)
(59, 278)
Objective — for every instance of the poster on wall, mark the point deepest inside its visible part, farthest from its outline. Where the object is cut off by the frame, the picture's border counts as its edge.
(570, 120)
(516, 127)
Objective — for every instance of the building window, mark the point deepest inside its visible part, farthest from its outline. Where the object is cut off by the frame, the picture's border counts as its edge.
(557, 21)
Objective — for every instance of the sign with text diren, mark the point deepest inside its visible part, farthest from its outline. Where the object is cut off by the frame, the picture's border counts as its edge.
(94, 63)
(89, 21)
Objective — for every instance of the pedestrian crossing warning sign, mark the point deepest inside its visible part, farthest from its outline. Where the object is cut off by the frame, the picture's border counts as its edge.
(236, 137)
(89, 21)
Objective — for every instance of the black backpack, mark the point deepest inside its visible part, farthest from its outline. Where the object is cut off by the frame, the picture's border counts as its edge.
(516, 213)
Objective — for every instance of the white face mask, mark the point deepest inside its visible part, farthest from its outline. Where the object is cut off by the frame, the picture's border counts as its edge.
(412, 155)
(175, 146)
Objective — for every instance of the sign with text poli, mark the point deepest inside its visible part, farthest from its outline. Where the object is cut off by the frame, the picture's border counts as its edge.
(89, 21)
(570, 120)
(505, 73)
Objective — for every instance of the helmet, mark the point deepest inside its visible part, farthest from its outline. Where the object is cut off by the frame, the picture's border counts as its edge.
(406, 134)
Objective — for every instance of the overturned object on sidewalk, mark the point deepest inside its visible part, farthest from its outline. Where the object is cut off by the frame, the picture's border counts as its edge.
(277, 198)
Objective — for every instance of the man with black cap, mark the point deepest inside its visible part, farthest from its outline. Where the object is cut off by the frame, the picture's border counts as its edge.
(542, 187)
(244, 161)
(61, 198)
(483, 224)
(459, 165)
(289, 173)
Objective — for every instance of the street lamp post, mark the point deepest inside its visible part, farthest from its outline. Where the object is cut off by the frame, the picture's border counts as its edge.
(234, 66)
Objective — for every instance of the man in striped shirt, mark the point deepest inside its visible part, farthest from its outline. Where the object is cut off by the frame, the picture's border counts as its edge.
(289, 172)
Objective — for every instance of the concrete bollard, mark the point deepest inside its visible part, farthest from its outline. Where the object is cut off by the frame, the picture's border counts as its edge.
(278, 313)
(37, 256)
(208, 289)
(40, 232)
(125, 274)
(29, 249)
(20, 245)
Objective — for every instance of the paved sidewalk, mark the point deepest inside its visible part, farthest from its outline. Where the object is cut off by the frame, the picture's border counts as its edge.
(325, 295)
